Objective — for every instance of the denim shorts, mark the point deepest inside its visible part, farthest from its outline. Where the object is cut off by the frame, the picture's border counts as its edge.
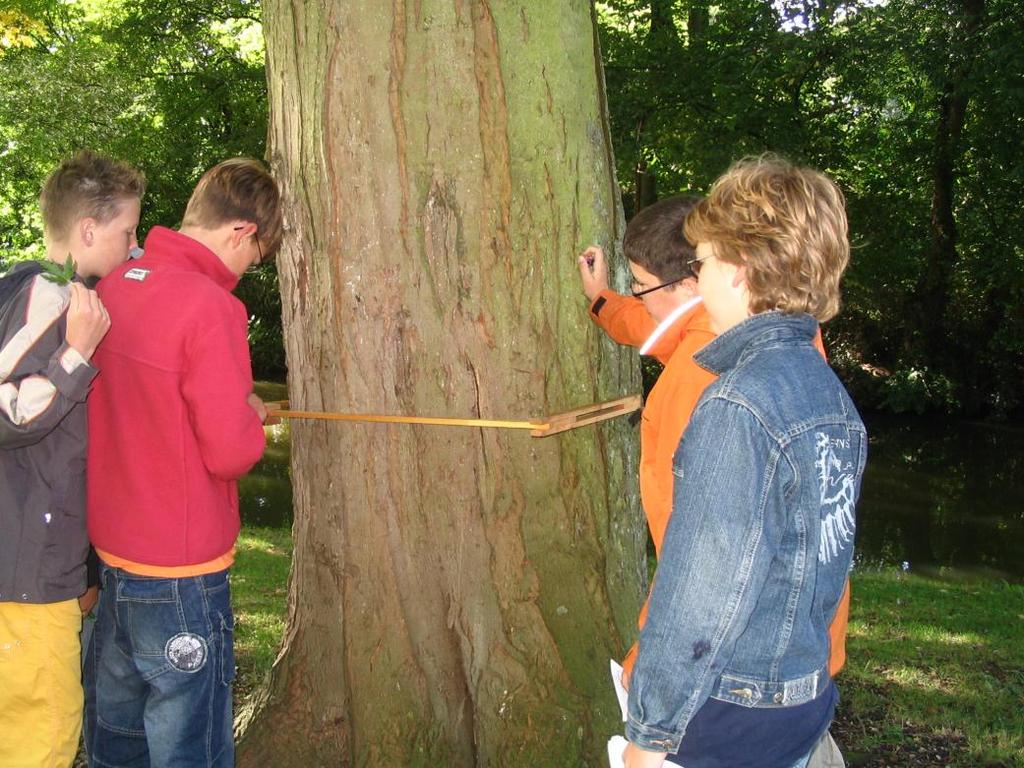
(158, 672)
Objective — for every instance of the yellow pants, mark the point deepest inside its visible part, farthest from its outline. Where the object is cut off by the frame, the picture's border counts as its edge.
(40, 684)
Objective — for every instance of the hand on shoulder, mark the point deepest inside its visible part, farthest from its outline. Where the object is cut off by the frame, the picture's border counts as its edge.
(88, 321)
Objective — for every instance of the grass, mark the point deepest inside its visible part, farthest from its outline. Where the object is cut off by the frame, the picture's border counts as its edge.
(934, 676)
(259, 591)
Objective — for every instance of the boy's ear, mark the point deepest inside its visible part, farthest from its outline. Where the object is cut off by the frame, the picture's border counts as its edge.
(85, 229)
(241, 231)
(687, 287)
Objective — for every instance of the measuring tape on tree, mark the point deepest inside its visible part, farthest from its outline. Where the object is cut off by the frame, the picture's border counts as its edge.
(542, 427)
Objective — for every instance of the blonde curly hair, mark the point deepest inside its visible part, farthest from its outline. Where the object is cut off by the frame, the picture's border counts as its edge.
(786, 225)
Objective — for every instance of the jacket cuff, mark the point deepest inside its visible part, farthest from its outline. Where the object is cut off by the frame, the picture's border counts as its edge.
(71, 374)
(71, 358)
(600, 300)
(652, 739)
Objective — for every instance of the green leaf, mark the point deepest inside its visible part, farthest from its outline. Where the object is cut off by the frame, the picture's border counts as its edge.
(61, 275)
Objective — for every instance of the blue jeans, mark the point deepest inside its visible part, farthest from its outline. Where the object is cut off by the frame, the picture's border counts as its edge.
(158, 673)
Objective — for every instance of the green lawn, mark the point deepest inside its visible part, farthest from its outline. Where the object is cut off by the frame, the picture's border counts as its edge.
(934, 677)
(259, 591)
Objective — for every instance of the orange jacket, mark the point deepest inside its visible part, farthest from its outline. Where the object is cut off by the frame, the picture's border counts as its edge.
(665, 416)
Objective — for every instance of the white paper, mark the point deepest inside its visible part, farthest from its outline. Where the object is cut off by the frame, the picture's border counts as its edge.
(620, 692)
(617, 745)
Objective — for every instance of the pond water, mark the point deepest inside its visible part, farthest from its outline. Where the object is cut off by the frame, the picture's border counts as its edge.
(937, 494)
(265, 494)
(940, 493)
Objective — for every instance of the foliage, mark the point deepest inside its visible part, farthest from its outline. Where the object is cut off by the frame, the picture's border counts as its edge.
(258, 291)
(172, 87)
(61, 274)
(864, 90)
(918, 390)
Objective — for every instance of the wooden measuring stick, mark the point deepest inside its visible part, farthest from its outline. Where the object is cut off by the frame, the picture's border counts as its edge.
(274, 412)
(538, 427)
(591, 414)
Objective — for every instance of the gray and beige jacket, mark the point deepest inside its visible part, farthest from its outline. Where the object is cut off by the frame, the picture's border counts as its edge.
(43, 386)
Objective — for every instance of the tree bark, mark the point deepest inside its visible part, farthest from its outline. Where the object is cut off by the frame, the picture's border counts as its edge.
(954, 99)
(455, 593)
(662, 46)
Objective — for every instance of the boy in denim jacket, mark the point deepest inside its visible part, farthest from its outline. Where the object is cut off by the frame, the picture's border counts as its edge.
(733, 662)
(665, 318)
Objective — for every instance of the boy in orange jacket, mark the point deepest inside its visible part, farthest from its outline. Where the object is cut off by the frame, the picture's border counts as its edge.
(665, 319)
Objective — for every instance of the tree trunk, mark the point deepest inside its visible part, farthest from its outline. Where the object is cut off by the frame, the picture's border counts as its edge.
(934, 286)
(455, 593)
(645, 183)
(662, 46)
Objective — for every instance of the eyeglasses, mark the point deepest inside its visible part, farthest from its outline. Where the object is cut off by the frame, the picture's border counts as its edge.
(259, 248)
(694, 264)
(645, 291)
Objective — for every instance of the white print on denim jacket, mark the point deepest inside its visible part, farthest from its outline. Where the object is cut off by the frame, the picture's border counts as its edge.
(837, 496)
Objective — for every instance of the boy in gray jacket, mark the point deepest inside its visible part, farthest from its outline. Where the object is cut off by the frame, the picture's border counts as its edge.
(48, 333)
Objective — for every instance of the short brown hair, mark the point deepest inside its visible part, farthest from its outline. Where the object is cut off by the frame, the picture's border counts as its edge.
(87, 185)
(239, 189)
(654, 238)
(787, 225)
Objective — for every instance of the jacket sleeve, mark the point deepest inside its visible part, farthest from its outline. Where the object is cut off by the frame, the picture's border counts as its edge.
(714, 563)
(216, 382)
(627, 321)
(622, 317)
(35, 398)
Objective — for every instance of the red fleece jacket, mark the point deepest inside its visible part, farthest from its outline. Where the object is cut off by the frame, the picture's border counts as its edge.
(170, 428)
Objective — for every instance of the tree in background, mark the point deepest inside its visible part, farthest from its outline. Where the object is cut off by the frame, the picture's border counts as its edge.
(172, 87)
(455, 594)
(55, 94)
(914, 107)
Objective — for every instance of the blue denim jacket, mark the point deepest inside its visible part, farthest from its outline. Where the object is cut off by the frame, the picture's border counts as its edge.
(761, 536)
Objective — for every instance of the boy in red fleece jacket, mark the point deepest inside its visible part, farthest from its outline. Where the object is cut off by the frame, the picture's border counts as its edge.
(175, 424)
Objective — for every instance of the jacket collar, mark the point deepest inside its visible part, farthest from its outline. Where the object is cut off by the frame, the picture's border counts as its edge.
(765, 327)
(687, 309)
(179, 250)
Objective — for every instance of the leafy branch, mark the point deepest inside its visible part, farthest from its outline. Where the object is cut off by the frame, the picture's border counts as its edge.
(61, 275)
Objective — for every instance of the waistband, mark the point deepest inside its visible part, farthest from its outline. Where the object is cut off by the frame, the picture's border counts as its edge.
(131, 581)
(216, 565)
(772, 694)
